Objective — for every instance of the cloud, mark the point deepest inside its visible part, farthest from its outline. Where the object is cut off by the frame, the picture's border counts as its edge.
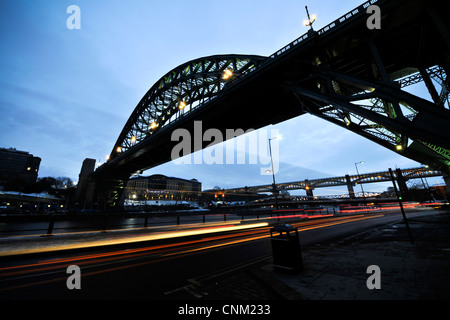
(55, 128)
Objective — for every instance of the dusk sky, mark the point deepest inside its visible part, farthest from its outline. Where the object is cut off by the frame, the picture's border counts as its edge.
(65, 95)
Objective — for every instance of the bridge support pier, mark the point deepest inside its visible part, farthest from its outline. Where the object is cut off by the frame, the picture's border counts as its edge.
(309, 190)
(351, 192)
(106, 192)
(401, 181)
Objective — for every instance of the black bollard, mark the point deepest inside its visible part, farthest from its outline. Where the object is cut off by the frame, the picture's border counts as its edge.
(50, 225)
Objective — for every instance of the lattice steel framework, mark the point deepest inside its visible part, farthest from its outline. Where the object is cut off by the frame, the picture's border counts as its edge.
(181, 91)
(384, 112)
(373, 177)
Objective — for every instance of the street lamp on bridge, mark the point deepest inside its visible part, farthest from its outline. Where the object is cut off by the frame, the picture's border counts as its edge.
(309, 22)
(227, 74)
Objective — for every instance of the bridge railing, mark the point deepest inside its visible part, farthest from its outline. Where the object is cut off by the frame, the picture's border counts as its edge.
(382, 176)
(332, 26)
(360, 10)
(66, 224)
(16, 224)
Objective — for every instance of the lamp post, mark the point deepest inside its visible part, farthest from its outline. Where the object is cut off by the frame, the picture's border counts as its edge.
(399, 198)
(362, 190)
(309, 22)
(273, 172)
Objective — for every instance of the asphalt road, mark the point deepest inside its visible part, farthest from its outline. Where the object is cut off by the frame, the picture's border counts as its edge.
(148, 270)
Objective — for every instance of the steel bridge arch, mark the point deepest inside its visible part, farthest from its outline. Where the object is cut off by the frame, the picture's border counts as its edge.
(180, 91)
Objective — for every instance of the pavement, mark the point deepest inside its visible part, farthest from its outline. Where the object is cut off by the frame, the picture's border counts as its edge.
(339, 270)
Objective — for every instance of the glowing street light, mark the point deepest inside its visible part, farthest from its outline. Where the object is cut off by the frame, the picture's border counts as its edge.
(227, 74)
(154, 125)
(399, 147)
(310, 20)
(133, 139)
(182, 105)
(119, 149)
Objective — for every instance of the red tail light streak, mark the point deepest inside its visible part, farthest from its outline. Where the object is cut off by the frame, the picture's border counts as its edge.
(213, 238)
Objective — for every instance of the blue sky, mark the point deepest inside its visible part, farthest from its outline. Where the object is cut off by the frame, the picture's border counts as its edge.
(66, 94)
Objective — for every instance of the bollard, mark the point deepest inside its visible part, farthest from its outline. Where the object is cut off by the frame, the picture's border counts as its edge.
(178, 220)
(204, 219)
(50, 225)
(146, 222)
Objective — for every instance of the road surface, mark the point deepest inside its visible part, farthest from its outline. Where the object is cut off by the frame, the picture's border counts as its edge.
(149, 269)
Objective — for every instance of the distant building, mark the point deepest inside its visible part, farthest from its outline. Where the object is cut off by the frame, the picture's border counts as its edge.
(18, 167)
(161, 187)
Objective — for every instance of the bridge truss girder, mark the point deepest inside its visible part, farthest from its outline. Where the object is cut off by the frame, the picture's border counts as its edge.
(374, 177)
(180, 91)
(179, 94)
(382, 111)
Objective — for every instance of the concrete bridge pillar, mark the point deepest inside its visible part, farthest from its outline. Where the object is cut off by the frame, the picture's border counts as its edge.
(309, 190)
(351, 192)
